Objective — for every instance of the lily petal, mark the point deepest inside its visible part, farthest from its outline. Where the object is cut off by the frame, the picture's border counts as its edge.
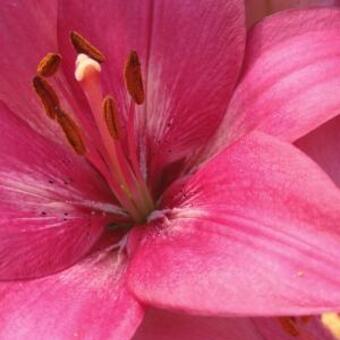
(291, 76)
(28, 32)
(164, 325)
(189, 66)
(257, 9)
(34, 26)
(159, 324)
(52, 204)
(254, 232)
(287, 328)
(87, 301)
(323, 146)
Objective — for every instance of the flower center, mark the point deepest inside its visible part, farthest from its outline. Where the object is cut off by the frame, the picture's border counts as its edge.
(126, 179)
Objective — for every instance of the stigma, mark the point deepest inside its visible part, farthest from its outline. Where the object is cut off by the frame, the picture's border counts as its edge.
(119, 151)
(85, 66)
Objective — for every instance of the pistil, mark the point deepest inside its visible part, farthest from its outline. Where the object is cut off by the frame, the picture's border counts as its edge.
(124, 168)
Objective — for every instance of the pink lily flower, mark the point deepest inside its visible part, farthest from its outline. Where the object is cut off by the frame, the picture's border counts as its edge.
(257, 9)
(141, 181)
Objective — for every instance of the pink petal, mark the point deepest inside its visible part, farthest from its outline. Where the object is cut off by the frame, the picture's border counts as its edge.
(190, 56)
(28, 32)
(87, 301)
(288, 328)
(323, 146)
(289, 86)
(51, 203)
(257, 9)
(164, 325)
(254, 232)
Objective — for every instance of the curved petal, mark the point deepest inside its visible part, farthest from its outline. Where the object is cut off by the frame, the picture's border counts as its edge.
(257, 9)
(28, 32)
(291, 77)
(164, 325)
(87, 301)
(51, 203)
(159, 324)
(323, 146)
(190, 65)
(287, 328)
(254, 232)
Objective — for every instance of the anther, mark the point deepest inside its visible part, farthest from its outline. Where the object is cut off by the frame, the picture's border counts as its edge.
(49, 65)
(82, 45)
(133, 78)
(47, 95)
(71, 132)
(111, 117)
(289, 326)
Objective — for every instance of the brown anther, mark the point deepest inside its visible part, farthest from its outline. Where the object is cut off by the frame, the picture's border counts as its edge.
(47, 95)
(71, 132)
(111, 117)
(288, 324)
(81, 45)
(49, 65)
(133, 78)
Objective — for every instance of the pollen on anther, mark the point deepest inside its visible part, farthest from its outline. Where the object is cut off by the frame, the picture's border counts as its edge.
(49, 65)
(47, 96)
(133, 77)
(81, 45)
(71, 132)
(111, 117)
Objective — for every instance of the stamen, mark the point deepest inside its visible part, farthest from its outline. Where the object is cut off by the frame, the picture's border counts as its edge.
(47, 95)
(49, 65)
(127, 183)
(133, 78)
(72, 132)
(82, 45)
(288, 325)
(111, 117)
